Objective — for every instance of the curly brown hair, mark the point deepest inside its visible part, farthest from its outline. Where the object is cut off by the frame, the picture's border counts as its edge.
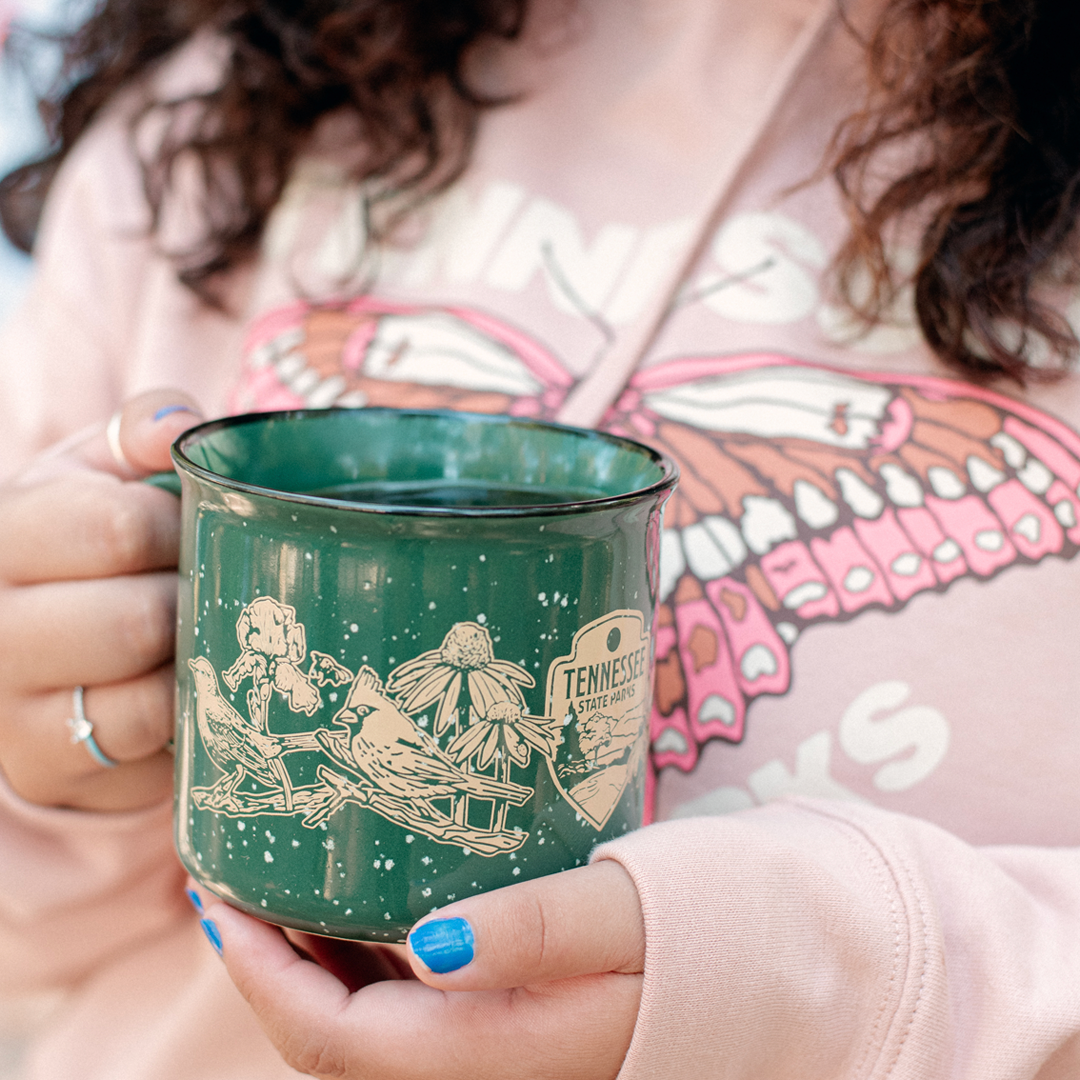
(396, 64)
(988, 88)
(991, 90)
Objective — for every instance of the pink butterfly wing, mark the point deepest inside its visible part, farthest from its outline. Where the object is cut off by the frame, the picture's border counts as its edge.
(811, 495)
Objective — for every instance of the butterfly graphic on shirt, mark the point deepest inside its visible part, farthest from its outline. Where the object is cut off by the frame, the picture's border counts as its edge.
(807, 494)
(373, 352)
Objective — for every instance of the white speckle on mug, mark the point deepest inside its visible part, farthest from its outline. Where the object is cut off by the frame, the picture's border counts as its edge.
(267, 857)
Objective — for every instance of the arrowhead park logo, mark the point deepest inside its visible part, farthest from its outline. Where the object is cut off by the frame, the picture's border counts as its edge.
(601, 692)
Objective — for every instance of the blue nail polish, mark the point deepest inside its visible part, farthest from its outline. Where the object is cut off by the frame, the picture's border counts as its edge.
(169, 410)
(196, 900)
(443, 944)
(213, 935)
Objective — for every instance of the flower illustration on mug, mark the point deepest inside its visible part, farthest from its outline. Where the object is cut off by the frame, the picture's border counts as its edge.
(273, 646)
(504, 735)
(507, 735)
(464, 662)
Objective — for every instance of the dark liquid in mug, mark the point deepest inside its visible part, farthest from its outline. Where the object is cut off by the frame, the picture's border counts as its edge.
(457, 494)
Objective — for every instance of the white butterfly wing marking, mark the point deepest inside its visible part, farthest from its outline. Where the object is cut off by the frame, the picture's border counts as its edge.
(439, 349)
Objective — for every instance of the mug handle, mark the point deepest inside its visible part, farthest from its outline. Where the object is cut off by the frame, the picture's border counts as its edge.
(167, 481)
(170, 482)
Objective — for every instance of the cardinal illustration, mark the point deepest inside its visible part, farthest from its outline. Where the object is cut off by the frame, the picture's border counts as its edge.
(807, 494)
(235, 745)
(382, 745)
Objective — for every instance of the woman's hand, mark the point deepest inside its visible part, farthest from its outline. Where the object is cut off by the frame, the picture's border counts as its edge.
(88, 598)
(552, 988)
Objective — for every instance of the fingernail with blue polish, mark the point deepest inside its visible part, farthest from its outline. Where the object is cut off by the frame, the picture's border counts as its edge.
(168, 410)
(443, 945)
(196, 901)
(213, 935)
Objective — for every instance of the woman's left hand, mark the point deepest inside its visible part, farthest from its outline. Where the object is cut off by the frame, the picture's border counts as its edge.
(552, 988)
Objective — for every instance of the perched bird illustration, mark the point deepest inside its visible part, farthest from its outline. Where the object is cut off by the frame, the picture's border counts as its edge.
(382, 745)
(234, 744)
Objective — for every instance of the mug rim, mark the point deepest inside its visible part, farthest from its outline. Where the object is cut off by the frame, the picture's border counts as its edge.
(666, 482)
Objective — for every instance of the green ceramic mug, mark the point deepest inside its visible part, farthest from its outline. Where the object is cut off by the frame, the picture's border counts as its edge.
(414, 657)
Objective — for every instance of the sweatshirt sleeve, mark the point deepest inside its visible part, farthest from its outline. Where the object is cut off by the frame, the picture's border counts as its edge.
(65, 349)
(821, 941)
(76, 888)
(104, 316)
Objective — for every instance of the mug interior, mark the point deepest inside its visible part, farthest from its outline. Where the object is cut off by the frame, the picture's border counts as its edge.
(422, 461)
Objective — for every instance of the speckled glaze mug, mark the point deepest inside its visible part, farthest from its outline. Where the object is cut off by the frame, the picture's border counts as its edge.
(414, 657)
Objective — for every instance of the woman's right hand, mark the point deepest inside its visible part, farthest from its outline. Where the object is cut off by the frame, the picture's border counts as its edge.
(88, 598)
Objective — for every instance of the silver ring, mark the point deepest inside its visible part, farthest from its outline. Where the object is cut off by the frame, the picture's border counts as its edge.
(82, 731)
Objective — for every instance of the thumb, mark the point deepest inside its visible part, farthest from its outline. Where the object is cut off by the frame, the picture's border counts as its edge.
(580, 922)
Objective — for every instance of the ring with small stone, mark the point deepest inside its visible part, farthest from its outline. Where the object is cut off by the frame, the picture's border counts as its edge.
(82, 731)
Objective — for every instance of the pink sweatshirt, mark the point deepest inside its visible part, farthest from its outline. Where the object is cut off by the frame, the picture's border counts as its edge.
(865, 731)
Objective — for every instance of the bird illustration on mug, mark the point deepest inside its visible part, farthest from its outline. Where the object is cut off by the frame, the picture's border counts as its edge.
(374, 754)
(236, 746)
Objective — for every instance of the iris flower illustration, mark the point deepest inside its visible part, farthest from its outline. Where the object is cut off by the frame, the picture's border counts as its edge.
(273, 647)
(465, 660)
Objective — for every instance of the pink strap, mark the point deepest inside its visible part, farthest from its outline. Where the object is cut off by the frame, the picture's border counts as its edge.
(587, 403)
